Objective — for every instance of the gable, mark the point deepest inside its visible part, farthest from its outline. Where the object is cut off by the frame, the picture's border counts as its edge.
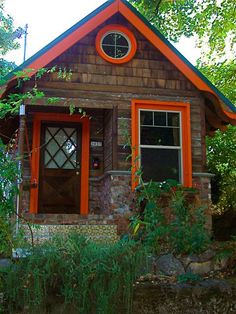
(149, 68)
(102, 14)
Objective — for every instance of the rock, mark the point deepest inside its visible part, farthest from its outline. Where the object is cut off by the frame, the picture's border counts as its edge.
(122, 210)
(200, 268)
(207, 255)
(169, 265)
(216, 285)
(199, 258)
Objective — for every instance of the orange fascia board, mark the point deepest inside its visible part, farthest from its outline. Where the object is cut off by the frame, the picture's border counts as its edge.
(163, 48)
(84, 186)
(231, 115)
(184, 108)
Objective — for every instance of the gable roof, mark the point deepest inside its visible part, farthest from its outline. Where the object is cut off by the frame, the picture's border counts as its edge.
(103, 13)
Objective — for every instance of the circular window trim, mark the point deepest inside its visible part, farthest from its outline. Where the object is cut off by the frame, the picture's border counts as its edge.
(123, 31)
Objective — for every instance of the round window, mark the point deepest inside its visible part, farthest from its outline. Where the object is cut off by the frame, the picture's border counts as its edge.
(116, 44)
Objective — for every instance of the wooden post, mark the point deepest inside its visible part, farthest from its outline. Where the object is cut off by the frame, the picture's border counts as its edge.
(114, 138)
(21, 142)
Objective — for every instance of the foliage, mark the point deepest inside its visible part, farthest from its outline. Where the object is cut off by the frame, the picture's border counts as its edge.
(223, 75)
(11, 104)
(8, 34)
(188, 278)
(5, 68)
(213, 21)
(92, 278)
(182, 233)
(221, 157)
(188, 233)
(8, 192)
(8, 40)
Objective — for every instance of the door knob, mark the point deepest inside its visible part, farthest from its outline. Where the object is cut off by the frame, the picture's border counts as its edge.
(77, 173)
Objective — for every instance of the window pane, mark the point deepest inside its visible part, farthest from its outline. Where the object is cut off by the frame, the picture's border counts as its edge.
(146, 118)
(121, 40)
(121, 51)
(115, 45)
(160, 164)
(60, 150)
(109, 39)
(173, 119)
(109, 50)
(160, 118)
(160, 136)
(52, 147)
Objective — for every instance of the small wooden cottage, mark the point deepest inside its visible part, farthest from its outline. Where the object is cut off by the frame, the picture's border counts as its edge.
(132, 83)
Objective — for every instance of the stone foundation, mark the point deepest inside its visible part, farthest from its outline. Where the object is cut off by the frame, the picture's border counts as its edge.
(202, 182)
(111, 193)
(111, 202)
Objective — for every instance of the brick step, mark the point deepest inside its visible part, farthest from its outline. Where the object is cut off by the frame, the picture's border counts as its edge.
(101, 233)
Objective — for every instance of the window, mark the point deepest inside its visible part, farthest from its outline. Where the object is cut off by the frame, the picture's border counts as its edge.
(116, 44)
(60, 148)
(161, 141)
(160, 145)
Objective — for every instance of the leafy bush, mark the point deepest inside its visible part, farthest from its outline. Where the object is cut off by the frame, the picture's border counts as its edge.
(221, 159)
(92, 278)
(188, 232)
(8, 192)
(182, 233)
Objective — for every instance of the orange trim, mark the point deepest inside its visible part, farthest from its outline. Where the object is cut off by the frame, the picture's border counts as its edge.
(184, 108)
(231, 115)
(127, 33)
(72, 39)
(38, 118)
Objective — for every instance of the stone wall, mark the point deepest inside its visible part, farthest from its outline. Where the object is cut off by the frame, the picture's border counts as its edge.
(202, 182)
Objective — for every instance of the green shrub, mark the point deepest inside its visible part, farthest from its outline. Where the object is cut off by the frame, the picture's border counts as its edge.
(8, 192)
(184, 233)
(93, 278)
(188, 232)
(221, 161)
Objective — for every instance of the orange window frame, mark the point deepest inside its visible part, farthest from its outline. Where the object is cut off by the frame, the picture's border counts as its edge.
(127, 33)
(84, 121)
(184, 108)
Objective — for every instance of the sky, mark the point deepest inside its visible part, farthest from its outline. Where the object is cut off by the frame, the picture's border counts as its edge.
(47, 19)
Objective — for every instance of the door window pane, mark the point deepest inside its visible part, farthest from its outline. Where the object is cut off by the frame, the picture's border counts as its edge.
(60, 148)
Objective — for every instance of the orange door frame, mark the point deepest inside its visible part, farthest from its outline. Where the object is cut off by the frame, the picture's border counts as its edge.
(184, 108)
(37, 119)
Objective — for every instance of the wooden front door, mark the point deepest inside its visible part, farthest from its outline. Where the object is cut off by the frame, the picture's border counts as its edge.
(60, 164)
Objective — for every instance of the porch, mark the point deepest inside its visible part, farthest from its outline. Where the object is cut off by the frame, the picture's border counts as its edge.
(108, 186)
